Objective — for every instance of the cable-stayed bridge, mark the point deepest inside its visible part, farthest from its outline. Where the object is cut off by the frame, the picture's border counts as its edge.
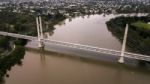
(43, 42)
(79, 46)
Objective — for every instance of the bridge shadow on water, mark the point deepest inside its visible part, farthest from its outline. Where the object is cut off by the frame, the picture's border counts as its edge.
(119, 69)
(42, 55)
(140, 66)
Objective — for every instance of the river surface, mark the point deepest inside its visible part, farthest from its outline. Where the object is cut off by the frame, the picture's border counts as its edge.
(51, 68)
(87, 30)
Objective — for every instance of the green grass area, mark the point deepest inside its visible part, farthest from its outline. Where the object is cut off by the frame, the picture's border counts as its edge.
(140, 24)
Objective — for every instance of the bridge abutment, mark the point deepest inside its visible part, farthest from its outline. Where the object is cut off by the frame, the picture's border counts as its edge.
(41, 44)
(121, 60)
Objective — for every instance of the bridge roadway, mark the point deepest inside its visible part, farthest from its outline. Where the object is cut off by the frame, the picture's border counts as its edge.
(77, 48)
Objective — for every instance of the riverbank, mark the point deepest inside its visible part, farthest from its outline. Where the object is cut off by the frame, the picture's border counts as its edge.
(13, 52)
(13, 58)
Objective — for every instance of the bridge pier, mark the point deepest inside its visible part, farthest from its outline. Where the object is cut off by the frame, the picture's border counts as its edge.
(40, 44)
(40, 32)
(121, 60)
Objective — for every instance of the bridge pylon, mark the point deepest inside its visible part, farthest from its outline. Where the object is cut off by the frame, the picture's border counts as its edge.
(39, 31)
(121, 60)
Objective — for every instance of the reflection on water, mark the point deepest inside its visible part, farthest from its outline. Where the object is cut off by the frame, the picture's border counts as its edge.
(54, 68)
(42, 55)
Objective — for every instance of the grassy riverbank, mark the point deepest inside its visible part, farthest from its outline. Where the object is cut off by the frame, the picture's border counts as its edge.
(141, 25)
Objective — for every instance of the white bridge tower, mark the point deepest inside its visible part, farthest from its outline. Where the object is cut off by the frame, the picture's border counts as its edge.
(121, 60)
(39, 31)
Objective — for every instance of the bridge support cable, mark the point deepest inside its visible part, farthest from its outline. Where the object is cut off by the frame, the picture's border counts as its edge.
(121, 60)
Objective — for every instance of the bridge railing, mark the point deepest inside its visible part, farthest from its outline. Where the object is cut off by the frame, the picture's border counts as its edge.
(84, 47)
(18, 35)
(80, 46)
(137, 56)
(99, 50)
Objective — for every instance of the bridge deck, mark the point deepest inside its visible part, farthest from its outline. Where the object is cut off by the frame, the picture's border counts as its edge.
(81, 47)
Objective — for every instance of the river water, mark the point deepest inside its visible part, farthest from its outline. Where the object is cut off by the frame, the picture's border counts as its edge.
(54, 68)
(87, 30)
